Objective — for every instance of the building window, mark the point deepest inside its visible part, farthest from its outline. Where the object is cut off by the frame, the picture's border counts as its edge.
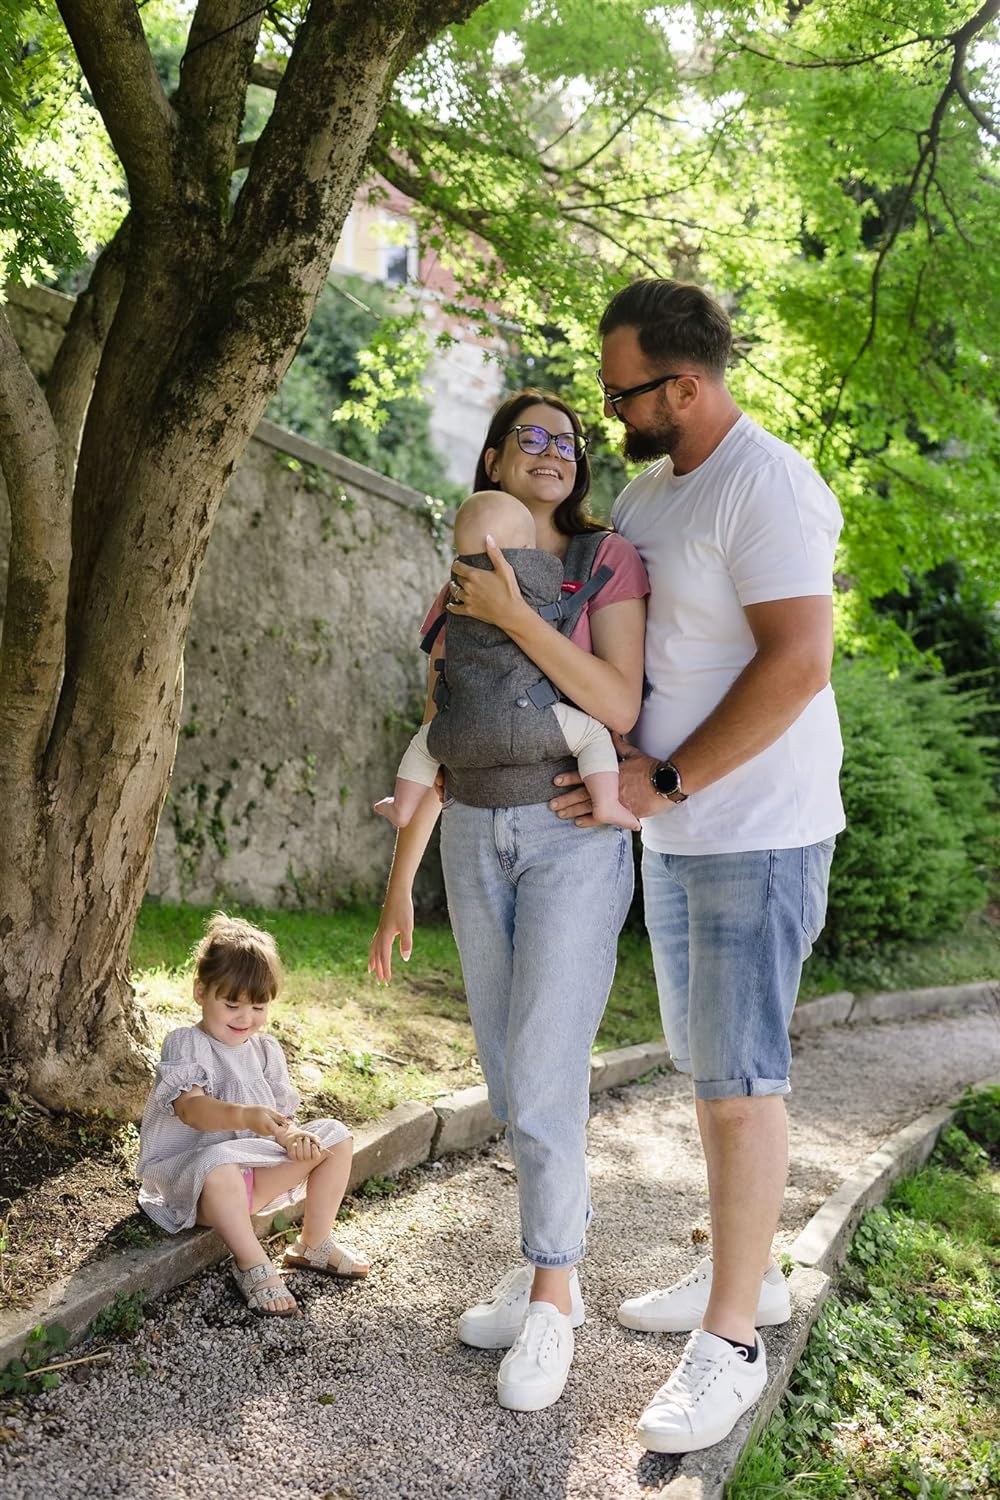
(396, 264)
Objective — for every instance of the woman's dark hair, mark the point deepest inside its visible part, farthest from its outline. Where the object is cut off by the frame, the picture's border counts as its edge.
(570, 517)
(674, 320)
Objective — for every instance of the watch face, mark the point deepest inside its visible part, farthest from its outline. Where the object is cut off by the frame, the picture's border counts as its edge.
(666, 779)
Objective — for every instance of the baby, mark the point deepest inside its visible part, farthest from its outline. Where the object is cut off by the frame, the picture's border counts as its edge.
(511, 524)
(218, 1141)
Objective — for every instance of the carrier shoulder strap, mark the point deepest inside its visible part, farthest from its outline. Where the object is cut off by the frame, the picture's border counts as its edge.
(578, 567)
(427, 644)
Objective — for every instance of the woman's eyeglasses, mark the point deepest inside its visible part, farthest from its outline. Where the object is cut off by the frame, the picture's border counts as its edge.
(570, 446)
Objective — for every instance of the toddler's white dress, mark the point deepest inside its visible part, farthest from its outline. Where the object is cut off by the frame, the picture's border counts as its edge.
(175, 1159)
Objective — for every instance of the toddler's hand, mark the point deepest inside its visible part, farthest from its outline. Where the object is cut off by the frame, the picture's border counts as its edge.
(300, 1145)
(264, 1121)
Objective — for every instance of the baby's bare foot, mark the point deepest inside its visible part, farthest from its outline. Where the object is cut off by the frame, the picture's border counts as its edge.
(387, 809)
(616, 815)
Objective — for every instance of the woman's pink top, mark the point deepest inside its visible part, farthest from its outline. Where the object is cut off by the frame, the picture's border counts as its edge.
(629, 582)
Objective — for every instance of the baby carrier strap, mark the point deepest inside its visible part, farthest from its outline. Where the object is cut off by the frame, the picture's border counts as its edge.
(427, 644)
(578, 569)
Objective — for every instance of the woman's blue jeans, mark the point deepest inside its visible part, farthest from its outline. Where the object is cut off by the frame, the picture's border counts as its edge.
(536, 905)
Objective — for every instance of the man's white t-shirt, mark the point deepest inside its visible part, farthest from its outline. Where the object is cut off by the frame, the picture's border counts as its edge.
(753, 523)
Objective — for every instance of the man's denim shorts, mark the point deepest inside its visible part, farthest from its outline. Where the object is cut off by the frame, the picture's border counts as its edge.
(730, 933)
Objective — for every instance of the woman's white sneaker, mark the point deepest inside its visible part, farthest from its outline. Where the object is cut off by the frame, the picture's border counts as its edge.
(704, 1398)
(534, 1369)
(495, 1322)
(680, 1308)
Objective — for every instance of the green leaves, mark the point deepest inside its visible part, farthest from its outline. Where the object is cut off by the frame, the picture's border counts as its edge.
(61, 189)
(42, 1346)
(829, 169)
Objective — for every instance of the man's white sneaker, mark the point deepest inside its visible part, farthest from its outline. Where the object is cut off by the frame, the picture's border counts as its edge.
(680, 1308)
(533, 1371)
(495, 1322)
(705, 1396)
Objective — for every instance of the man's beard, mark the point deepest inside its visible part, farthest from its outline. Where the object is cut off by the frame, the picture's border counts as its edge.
(657, 442)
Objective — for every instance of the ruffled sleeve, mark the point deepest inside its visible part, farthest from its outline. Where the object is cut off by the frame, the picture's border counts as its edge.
(185, 1064)
(286, 1100)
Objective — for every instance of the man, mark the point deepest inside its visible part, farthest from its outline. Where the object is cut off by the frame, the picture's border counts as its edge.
(734, 774)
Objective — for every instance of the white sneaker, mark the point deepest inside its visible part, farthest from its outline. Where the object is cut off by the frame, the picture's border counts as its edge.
(496, 1322)
(680, 1308)
(534, 1370)
(705, 1396)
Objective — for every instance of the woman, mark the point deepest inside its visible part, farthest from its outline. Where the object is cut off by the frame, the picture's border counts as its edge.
(536, 903)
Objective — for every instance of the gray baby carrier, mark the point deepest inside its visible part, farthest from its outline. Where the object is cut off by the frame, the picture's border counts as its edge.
(492, 731)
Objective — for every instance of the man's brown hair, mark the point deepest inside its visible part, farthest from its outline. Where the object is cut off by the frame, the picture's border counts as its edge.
(674, 320)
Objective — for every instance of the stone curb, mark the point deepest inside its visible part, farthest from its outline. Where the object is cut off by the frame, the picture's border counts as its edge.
(845, 1008)
(819, 1251)
(405, 1137)
(823, 1243)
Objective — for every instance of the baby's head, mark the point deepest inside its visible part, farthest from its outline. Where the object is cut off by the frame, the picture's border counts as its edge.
(507, 521)
(237, 973)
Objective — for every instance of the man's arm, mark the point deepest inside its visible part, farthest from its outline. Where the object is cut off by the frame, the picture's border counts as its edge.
(794, 639)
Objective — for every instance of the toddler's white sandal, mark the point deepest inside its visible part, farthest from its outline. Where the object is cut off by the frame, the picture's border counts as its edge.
(329, 1258)
(261, 1299)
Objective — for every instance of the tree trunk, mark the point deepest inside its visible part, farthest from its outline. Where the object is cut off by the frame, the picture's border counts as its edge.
(193, 326)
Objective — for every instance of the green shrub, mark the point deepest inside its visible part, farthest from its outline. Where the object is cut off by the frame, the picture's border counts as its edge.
(917, 784)
(955, 615)
(978, 1114)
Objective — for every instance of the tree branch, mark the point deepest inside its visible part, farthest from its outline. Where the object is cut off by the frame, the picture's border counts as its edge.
(215, 71)
(603, 233)
(978, 114)
(599, 150)
(32, 644)
(927, 158)
(420, 189)
(843, 62)
(266, 76)
(113, 52)
(71, 379)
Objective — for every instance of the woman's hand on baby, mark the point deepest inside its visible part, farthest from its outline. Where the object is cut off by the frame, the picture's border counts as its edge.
(634, 789)
(396, 921)
(484, 595)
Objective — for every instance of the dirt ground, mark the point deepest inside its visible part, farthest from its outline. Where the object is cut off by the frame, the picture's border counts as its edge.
(67, 1195)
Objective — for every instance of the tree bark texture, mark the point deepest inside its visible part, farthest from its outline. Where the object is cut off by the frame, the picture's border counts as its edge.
(193, 315)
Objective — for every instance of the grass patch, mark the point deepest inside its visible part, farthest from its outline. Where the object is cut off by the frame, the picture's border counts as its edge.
(355, 1049)
(963, 957)
(898, 1392)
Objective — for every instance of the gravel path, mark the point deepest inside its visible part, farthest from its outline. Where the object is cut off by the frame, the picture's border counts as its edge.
(369, 1397)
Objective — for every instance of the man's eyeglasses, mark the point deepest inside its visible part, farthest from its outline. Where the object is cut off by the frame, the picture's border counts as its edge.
(615, 401)
(570, 446)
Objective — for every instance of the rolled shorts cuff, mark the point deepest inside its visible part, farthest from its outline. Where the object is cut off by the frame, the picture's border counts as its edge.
(554, 1261)
(740, 1088)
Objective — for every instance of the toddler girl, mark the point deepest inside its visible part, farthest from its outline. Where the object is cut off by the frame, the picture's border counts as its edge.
(218, 1141)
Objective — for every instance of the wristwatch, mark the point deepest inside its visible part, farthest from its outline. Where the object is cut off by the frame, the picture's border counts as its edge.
(665, 779)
